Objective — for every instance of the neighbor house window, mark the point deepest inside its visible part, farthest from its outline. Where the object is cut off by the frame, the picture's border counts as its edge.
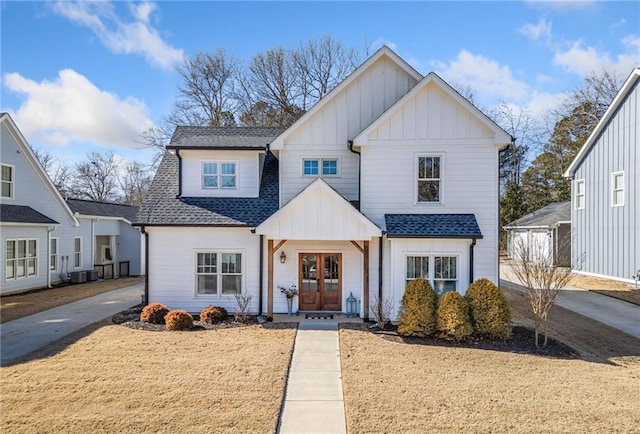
(320, 166)
(53, 254)
(429, 179)
(21, 258)
(218, 273)
(77, 252)
(7, 181)
(445, 274)
(617, 189)
(579, 193)
(219, 175)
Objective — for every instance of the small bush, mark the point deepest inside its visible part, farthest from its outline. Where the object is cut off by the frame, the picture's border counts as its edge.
(453, 319)
(178, 320)
(213, 314)
(489, 310)
(154, 313)
(417, 310)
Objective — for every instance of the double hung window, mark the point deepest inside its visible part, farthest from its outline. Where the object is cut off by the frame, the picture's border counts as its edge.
(218, 273)
(440, 271)
(7, 181)
(429, 179)
(216, 174)
(21, 258)
(617, 189)
(579, 193)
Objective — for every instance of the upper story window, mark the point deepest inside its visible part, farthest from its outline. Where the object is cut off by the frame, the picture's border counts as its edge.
(7, 181)
(617, 189)
(320, 166)
(579, 193)
(429, 179)
(219, 174)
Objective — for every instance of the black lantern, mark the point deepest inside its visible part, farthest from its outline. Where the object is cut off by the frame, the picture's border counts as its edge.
(352, 306)
(283, 258)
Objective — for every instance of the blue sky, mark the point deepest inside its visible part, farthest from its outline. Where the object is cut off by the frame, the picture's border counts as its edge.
(78, 77)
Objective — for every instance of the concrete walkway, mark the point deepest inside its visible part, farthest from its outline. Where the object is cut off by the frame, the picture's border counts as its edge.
(314, 402)
(615, 313)
(30, 333)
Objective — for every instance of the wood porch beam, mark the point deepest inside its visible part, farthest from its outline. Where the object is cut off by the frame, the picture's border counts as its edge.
(365, 276)
(270, 251)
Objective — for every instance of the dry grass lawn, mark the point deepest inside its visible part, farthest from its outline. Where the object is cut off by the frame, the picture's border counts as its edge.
(612, 288)
(16, 306)
(110, 378)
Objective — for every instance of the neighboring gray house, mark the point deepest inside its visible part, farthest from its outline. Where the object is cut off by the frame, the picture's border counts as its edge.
(116, 246)
(605, 190)
(546, 231)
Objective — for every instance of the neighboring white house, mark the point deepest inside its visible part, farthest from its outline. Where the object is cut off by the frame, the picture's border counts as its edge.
(545, 233)
(389, 177)
(605, 191)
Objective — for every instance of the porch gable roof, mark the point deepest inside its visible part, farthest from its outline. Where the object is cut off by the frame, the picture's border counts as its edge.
(318, 213)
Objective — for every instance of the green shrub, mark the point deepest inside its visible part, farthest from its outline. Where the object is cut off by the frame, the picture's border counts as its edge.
(453, 319)
(154, 313)
(417, 310)
(213, 314)
(178, 320)
(489, 310)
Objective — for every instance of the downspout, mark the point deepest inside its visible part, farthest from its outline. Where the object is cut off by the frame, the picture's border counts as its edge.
(179, 172)
(350, 145)
(49, 230)
(93, 245)
(261, 284)
(473, 244)
(146, 265)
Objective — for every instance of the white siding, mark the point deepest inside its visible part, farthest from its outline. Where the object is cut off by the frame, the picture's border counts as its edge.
(247, 173)
(172, 276)
(131, 248)
(23, 283)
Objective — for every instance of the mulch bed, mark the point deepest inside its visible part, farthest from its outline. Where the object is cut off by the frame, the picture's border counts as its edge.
(522, 342)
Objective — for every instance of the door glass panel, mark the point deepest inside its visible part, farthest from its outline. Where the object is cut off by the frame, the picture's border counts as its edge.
(331, 278)
(309, 273)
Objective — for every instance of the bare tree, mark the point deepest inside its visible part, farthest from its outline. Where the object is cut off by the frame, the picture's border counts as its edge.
(135, 183)
(534, 266)
(242, 303)
(97, 178)
(381, 310)
(59, 173)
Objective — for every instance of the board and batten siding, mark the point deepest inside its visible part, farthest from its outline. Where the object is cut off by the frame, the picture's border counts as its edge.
(327, 132)
(172, 261)
(606, 239)
(247, 173)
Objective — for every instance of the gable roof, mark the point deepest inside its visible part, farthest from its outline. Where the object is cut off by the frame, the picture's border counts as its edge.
(234, 138)
(103, 209)
(6, 119)
(24, 215)
(432, 226)
(501, 135)
(162, 207)
(620, 97)
(278, 142)
(318, 212)
(548, 216)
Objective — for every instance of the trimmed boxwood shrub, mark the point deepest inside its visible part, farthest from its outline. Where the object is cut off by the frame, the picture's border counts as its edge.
(417, 310)
(154, 313)
(489, 310)
(178, 320)
(213, 314)
(453, 320)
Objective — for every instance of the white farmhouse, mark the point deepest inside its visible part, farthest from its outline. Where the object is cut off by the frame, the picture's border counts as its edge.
(389, 177)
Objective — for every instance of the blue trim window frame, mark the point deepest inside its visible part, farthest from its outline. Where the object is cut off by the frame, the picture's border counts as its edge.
(220, 175)
(320, 167)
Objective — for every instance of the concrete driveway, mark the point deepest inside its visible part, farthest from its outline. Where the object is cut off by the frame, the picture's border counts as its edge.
(24, 335)
(616, 313)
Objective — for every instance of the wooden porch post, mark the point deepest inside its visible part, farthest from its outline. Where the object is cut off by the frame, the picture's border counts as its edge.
(365, 276)
(270, 278)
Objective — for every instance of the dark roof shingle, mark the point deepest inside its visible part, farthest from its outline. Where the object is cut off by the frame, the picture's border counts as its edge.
(432, 226)
(23, 214)
(545, 217)
(223, 137)
(106, 209)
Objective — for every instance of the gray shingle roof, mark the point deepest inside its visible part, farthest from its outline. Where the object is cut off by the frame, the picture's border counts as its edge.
(161, 207)
(23, 214)
(106, 209)
(224, 137)
(432, 226)
(545, 217)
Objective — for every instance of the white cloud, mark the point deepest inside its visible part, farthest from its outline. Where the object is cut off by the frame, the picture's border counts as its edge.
(537, 31)
(562, 4)
(540, 103)
(72, 109)
(585, 60)
(119, 36)
(483, 75)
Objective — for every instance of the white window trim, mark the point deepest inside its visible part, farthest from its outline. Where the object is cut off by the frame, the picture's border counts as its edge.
(25, 259)
(55, 256)
(432, 267)
(219, 175)
(75, 252)
(12, 183)
(583, 195)
(614, 190)
(416, 158)
(320, 160)
(218, 294)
